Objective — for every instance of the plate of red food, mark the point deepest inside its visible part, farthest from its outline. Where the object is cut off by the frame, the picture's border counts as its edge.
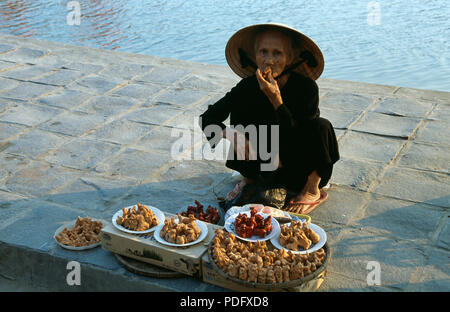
(210, 214)
(252, 226)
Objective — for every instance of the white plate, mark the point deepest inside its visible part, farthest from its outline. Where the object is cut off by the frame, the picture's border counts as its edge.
(70, 225)
(158, 213)
(229, 226)
(314, 247)
(203, 234)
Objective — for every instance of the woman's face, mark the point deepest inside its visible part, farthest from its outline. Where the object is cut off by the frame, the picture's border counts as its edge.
(272, 50)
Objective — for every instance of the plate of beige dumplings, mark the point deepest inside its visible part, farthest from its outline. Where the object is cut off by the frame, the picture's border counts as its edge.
(181, 231)
(300, 237)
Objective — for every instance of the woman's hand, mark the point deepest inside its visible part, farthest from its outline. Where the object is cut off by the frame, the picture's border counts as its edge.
(270, 88)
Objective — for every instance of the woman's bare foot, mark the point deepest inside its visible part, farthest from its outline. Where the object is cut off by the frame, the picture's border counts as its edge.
(238, 188)
(307, 197)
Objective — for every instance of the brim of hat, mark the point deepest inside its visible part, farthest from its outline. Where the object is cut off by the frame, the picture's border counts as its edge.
(245, 39)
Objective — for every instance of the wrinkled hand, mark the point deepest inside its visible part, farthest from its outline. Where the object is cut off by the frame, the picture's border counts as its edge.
(270, 88)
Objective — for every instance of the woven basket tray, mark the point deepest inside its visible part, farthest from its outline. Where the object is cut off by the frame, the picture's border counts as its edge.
(273, 286)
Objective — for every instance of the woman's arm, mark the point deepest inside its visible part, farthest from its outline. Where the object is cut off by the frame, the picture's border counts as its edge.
(216, 114)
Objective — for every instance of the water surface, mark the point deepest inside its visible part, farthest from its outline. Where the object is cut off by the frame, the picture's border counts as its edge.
(404, 43)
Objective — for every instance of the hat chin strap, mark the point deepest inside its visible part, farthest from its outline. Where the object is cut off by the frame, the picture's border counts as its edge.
(305, 56)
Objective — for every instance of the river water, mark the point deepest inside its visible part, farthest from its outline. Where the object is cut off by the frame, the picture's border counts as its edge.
(394, 42)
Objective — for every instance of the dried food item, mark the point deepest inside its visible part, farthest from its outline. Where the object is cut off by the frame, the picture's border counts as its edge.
(267, 71)
(254, 262)
(141, 219)
(254, 225)
(182, 232)
(297, 235)
(211, 215)
(85, 232)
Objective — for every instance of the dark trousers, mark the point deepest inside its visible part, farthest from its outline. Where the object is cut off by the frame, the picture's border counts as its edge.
(311, 146)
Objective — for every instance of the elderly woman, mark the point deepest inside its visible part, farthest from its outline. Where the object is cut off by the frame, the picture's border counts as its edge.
(279, 66)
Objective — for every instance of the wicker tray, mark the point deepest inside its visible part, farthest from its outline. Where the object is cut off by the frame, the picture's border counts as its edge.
(274, 286)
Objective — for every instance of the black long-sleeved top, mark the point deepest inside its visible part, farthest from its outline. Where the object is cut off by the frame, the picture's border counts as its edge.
(246, 104)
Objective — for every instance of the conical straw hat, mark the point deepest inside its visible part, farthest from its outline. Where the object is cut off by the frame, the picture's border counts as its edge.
(244, 40)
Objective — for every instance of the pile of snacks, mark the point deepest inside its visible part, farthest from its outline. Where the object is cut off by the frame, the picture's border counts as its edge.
(211, 215)
(85, 232)
(183, 232)
(141, 219)
(294, 235)
(266, 73)
(253, 262)
(253, 225)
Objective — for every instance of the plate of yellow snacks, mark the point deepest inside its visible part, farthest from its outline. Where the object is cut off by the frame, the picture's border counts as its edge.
(138, 219)
(181, 232)
(300, 237)
(79, 234)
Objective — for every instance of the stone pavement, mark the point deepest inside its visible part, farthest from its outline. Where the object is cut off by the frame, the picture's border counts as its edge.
(86, 132)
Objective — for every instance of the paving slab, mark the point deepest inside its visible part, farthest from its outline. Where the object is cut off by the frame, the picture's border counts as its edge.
(415, 185)
(34, 143)
(28, 114)
(127, 71)
(398, 260)
(138, 91)
(81, 153)
(166, 140)
(181, 96)
(107, 106)
(68, 99)
(339, 100)
(96, 84)
(157, 114)
(405, 107)
(133, 163)
(434, 274)
(72, 123)
(399, 219)
(388, 125)
(431, 157)
(28, 91)
(6, 83)
(39, 178)
(5, 48)
(26, 72)
(340, 119)
(186, 176)
(164, 76)
(441, 112)
(422, 94)
(368, 146)
(431, 131)
(358, 174)
(122, 131)
(343, 205)
(93, 194)
(24, 55)
(60, 77)
(8, 130)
